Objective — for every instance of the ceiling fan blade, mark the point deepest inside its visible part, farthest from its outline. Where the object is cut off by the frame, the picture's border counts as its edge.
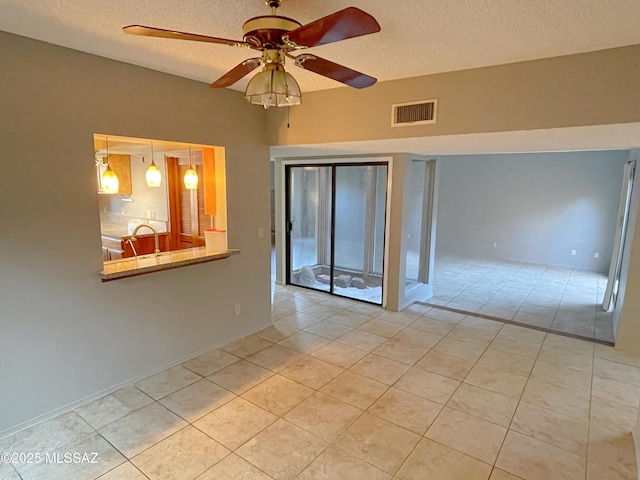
(348, 23)
(236, 73)
(162, 33)
(334, 71)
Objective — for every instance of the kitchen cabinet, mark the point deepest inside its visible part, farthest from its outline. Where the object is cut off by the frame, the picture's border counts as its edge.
(209, 180)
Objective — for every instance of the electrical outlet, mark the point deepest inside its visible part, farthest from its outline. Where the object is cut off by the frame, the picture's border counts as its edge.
(596, 255)
(573, 252)
(495, 244)
(237, 310)
(261, 232)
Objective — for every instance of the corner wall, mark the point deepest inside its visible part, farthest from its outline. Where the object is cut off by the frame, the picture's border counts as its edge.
(64, 335)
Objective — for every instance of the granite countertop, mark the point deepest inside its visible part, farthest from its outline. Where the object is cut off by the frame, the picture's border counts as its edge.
(131, 267)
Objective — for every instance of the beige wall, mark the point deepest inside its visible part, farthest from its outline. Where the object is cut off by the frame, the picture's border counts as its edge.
(588, 89)
(629, 330)
(64, 335)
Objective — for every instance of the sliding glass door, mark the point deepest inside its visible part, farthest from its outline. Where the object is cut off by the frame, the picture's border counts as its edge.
(308, 218)
(336, 228)
(360, 206)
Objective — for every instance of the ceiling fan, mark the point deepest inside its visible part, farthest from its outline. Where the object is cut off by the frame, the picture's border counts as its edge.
(276, 37)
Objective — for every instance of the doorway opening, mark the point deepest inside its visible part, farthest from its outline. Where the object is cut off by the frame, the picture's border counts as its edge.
(528, 238)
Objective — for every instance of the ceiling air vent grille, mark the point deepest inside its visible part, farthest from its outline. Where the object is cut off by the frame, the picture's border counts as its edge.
(414, 113)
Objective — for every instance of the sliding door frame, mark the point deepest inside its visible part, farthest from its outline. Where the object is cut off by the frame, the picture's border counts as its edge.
(322, 197)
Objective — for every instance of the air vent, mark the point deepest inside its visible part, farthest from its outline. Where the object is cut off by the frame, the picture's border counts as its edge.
(414, 113)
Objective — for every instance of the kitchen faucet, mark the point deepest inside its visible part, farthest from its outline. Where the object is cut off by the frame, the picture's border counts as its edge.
(130, 242)
(155, 236)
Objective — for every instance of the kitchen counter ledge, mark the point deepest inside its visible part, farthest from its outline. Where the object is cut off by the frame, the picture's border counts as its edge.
(131, 267)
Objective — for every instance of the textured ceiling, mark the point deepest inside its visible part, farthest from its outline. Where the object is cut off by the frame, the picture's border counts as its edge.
(418, 37)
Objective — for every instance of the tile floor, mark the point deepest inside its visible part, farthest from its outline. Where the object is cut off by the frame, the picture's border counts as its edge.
(561, 299)
(340, 390)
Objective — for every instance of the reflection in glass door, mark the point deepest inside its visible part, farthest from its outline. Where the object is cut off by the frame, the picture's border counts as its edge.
(336, 228)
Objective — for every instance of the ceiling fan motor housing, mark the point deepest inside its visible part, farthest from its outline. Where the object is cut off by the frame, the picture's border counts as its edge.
(268, 30)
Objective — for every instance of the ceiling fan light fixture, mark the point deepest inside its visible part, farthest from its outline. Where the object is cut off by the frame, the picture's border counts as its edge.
(273, 87)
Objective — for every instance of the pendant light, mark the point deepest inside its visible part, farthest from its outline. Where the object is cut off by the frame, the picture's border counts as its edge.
(153, 175)
(190, 176)
(110, 182)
